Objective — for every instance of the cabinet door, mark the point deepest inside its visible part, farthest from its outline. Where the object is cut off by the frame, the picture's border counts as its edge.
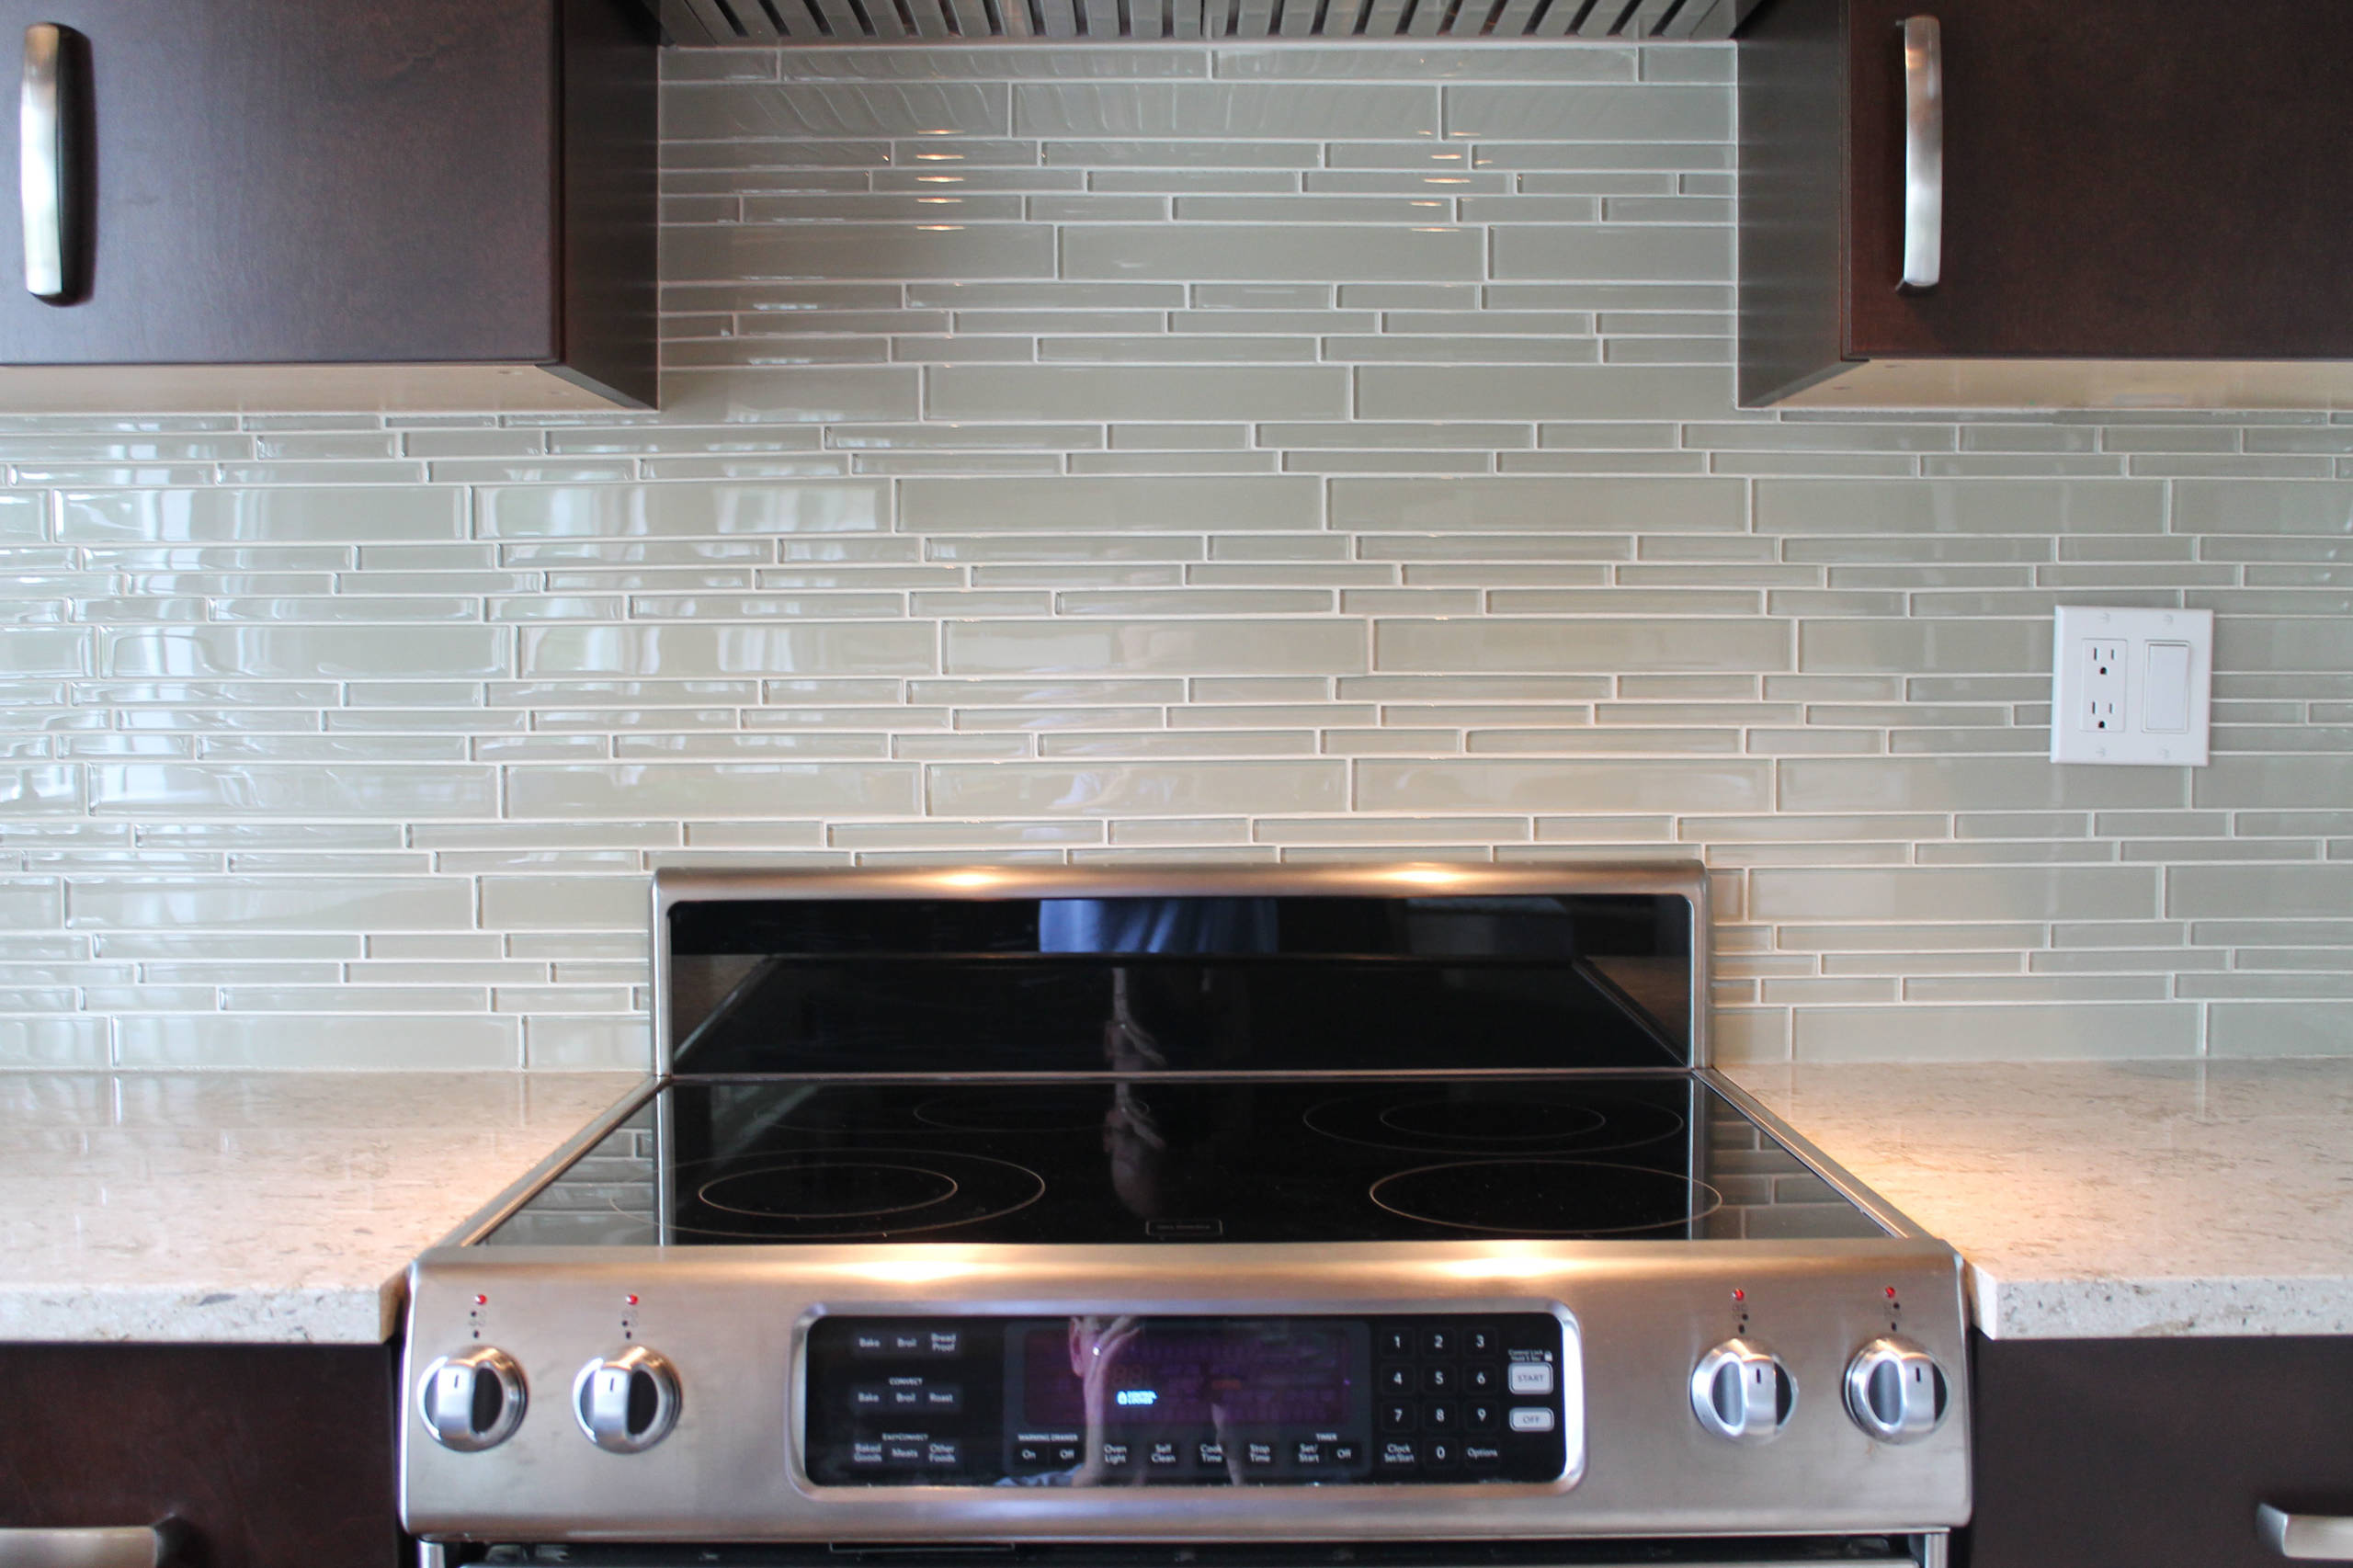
(2151, 1454)
(2122, 178)
(293, 181)
(269, 1456)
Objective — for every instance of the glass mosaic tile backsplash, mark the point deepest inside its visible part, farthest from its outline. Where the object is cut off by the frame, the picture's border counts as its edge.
(1169, 453)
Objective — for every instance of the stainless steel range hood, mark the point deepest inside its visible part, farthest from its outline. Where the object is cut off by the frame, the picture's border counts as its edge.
(721, 22)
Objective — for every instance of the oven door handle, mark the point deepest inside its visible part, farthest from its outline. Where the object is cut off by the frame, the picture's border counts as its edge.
(2313, 1537)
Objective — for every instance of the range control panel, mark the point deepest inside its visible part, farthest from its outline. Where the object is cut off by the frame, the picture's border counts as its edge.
(1119, 1399)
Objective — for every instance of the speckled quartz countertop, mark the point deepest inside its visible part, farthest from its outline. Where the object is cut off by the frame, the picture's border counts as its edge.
(252, 1206)
(2108, 1199)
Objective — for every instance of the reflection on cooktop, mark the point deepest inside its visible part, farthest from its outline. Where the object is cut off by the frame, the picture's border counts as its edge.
(1136, 1160)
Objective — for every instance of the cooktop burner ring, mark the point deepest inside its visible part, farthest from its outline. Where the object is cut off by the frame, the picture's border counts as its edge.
(1637, 1184)
(947, 1189)
(1400, 1117)
(955, 1190)
(1587, 1124)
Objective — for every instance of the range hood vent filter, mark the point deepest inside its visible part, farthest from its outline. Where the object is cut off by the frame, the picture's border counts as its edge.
(722, 22)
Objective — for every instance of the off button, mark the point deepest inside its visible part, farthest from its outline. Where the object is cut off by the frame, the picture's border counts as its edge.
(1531, 1418)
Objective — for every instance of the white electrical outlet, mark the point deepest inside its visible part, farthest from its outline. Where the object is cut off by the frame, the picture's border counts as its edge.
(2131, 686)
(2102, 709)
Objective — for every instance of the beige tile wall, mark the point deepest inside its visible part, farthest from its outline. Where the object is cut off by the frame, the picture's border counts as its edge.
(1160, 453)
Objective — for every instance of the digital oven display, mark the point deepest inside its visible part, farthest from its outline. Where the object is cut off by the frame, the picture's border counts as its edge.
(1128, 1371)
(1119, 1399)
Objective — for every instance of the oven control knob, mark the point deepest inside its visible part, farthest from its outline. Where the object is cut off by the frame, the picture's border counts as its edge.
(1741, 1390)
(626, 1402)
(472, 1401)
(1895, 1391)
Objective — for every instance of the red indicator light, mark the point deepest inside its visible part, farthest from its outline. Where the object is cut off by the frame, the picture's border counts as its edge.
(632, 1301)
(1890, 1292)
(1740, 1295)
(481, 1300)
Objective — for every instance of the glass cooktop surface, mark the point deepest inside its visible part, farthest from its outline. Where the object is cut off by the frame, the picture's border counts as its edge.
(1262, 1158)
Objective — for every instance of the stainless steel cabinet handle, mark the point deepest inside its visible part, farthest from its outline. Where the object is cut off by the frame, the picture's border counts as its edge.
(1924, 152)
(2317, 1537)
(126, 1546)
(44, 169)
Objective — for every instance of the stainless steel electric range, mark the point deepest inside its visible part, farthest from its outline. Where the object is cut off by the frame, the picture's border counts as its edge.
(1118, 1215)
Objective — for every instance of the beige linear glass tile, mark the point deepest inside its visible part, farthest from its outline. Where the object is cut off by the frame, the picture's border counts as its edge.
(829, 744)
(1891, 646)
(1269, 111)
(563, 904)
(1966, 783)
(1546, 505)
(1600, 113)
(1400, 349)
(1618, 252)
(1167, 182)
(305, 631)
(1424, 177)
(1391, 830)
(1968, 506)
(744, 397)
(2218, 892)
(1711, 602)
(1272, 250)
(1053, 62)
(1564, 392)
(2024, 893)
(1385, 462)
(1619, 740)
(1565, 784)
(740, 112)
(2280, 643)
(735, 606)
(1090, 559)
(1104, 393)
(40, 788)
(1995, 1031)
(1039, 693)
(1599, 646)
(1067, 743)
(967, 437)
(1194, 601)
(338, 514)
(1424, 62)
(983, 721)
(2280, 1029)
(1171, 788)
(1188, 647)
(212, 905)
(1160, 504)
(712, 789)
(338, 650)
(43, 653)
(278, 1041)
(1322, 209)
(1184, 349)
(692, 650)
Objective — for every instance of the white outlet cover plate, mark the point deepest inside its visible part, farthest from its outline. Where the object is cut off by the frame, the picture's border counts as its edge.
(2084, 730)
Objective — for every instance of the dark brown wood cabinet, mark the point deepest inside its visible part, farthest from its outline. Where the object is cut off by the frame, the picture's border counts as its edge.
(418, 203)
(2153, 1454)
(2138, 205)
(266, 1456)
